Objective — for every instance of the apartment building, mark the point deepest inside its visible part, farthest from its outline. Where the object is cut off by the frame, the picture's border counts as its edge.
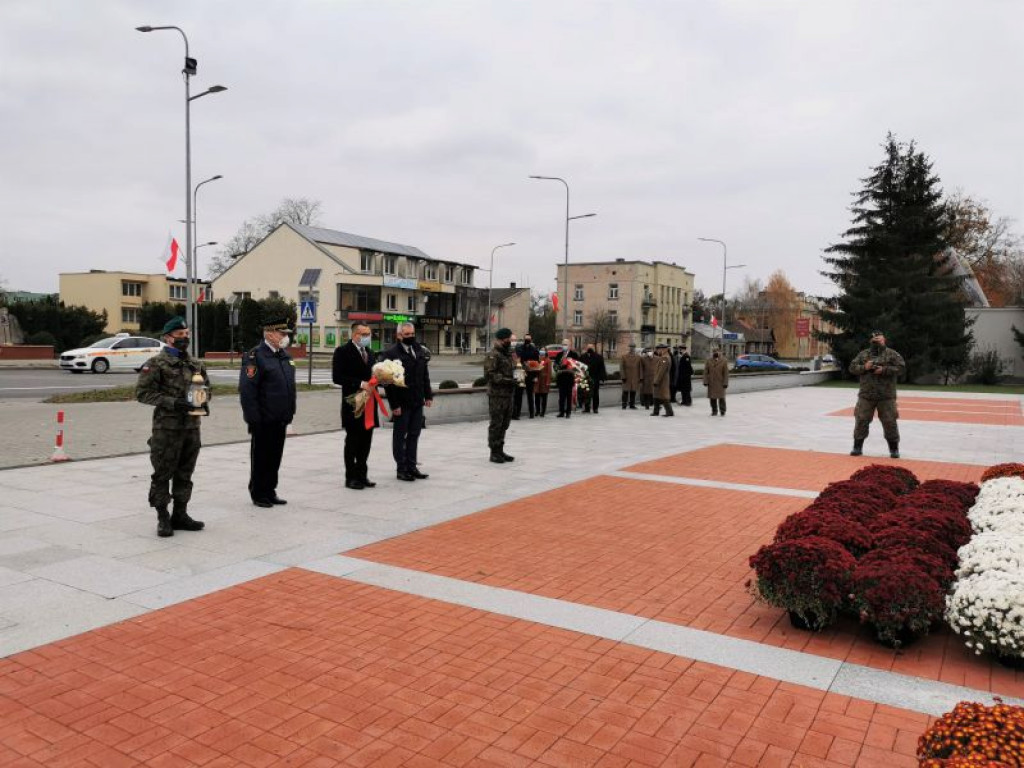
(615, 303)
(122, 294)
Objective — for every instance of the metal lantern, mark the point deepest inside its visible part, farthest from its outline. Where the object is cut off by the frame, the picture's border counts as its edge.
(198, 395)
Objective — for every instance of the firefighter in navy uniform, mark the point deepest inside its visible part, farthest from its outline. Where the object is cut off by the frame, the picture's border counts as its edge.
(266, 389)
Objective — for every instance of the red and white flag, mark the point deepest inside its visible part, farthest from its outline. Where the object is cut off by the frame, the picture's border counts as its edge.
(714, 321)
(202, 296)
(170, 257)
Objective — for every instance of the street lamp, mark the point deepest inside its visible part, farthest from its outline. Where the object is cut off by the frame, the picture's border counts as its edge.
(568, 218)
(490, 288)
(195, 263)
(725, 268)
(188, 71)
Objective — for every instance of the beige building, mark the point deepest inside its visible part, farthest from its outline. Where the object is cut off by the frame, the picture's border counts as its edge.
(122, 294)
(361, 279)
(615, 303)
(510, 308)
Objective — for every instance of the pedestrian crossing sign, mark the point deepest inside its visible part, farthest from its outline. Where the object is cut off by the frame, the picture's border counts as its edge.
(307, 312)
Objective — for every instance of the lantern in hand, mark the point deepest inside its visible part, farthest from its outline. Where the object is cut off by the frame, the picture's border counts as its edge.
(198, 396)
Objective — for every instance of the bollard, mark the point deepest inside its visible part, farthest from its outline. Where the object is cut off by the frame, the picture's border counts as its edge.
(58, 453)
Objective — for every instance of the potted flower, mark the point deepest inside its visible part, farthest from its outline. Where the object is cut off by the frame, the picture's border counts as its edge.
(862, 510)
(1000, 503)
(965, 493)
(974, 735)
(897, 479)
(987, 609)
(1003, 470)
(808, 577)
(853, 536)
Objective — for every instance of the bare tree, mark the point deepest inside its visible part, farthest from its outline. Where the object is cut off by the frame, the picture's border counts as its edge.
(603, 327)
(291, 210)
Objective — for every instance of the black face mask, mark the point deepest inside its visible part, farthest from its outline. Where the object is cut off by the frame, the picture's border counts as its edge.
(506, 344)
(181, 344)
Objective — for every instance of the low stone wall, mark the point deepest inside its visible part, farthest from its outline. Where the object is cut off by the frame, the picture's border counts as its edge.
(25, 352)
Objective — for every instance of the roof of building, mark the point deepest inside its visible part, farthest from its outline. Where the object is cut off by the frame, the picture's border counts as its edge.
(501, 294)
(756, 334)
(334, 237)
(656, 262)
(705, 329)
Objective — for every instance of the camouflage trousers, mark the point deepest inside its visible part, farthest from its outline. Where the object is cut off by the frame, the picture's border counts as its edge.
(887, 414)
(173, 454)
(501, 415)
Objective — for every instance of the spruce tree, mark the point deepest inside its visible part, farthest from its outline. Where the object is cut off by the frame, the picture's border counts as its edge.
(891, 270)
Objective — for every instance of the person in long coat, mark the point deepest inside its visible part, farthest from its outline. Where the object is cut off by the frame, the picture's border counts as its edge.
(352, 368)
(661, 378)
(716, 379)
(542, 386)
(648, 364)
(684, 377)
(629, 371)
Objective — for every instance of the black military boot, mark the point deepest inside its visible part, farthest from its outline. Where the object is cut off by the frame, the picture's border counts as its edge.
(894, 448)
(180, 520)
(497, 457)
(163, 522)
(858, 448)
(506, 457)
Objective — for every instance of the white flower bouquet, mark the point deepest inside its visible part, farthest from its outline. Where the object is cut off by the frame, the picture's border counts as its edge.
(385, 373)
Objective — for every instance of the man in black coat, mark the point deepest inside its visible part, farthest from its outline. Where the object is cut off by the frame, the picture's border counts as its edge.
(266, 390)
(598, 374)
(407, 402)
(352, 369)
(684, 376)
(526, 352)
(565, 376)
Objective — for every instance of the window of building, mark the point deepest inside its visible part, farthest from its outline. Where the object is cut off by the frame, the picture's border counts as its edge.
(430, 272)
(613, 290)
(611, 344)
(130, 315)
(241, 295)
(392, 301)
(577, 342)
(448, 338)
(390, 264)
(177, 291)
(467, 276)
(449, 276)
(410, 303)
(366, 261)
(578, 292)
(613, 317)
(577, 317)
(131, 289)
(358, 298)
(275, 294)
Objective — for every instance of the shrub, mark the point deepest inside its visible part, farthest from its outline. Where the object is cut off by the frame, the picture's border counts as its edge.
(810, 577)
(854, 537)
(896, 479)
(894, 591)
(42, 339)
(985, 367)
(448, 384)
(480, 381)
(974, 735)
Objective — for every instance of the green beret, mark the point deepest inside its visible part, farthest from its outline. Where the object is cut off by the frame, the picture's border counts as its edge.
(503, 333)
(174, 324)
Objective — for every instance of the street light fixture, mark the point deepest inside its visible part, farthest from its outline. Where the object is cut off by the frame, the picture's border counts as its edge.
(188, 70)
(568, 218)
(725, 268)
(490, 288)
(195, 261)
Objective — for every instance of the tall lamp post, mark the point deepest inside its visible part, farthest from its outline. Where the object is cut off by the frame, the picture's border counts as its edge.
(568, 218)
(194, 321)
(490, 288)
(725, 268)
(188, 71)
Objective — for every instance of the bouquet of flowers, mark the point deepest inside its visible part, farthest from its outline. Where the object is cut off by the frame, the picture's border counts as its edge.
(579, 371)
(385, 373)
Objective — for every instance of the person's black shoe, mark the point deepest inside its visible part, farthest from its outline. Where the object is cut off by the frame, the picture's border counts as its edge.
(275, 499)
(506, 457)
(180, 521)
(368, 483)
(632, 407)
(163, 522)
(561, 416)
(264, 503)
(894, 449)
(406, 476)
(355, 485)
(419, 475)
(497, 458)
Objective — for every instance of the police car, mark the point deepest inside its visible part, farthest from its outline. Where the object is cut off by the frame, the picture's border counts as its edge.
(120, 352)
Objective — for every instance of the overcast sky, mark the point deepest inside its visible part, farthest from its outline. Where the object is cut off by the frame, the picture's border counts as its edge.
(419, 121)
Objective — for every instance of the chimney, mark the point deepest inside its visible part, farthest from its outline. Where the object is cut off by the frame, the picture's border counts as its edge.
(620, 260)
(511, 285)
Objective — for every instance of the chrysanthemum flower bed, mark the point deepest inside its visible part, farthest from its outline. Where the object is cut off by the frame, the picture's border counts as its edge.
(974, 736)
(892, 559)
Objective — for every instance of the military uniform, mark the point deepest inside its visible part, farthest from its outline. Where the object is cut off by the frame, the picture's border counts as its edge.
(877, 393)
(500, 374)
(630, 374)
(175, 442)
(660, 383)
(266, 391)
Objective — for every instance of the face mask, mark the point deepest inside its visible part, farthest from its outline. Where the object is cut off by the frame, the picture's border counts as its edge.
(364, 341)
(506, 344)
(285, 341)
(406, 339)
(715, 355)
(181, 344)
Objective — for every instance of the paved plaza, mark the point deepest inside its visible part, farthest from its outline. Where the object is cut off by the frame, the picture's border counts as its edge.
(587, 605)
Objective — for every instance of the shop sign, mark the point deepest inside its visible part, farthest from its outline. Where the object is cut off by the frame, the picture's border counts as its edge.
(436, 320)
(373, 317)
(399, 318)
(430, 285)
(400, 282)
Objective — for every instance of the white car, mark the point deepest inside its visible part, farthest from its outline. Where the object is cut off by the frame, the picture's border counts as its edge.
(120, 352)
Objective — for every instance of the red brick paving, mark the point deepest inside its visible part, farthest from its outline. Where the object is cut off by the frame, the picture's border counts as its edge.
(301, 669)
(1005, 413)
(674, 553)
(789, 468)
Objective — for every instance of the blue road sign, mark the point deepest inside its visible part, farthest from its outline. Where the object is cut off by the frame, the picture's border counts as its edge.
(307, 312)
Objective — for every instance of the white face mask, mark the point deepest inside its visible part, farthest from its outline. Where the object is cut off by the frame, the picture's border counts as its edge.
(285, 342)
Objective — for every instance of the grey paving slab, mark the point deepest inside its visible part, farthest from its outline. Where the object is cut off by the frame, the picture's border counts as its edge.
(716, 484)
(16, 519)
(184, 559)
(102, 576)
(37, 558)
(305, 553)
(16, 544)
(182, 589)
(8, 576)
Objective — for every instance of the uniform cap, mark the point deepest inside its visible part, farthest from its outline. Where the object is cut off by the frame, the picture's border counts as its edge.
(662, 346)
(877, 332)
(277, 323)
(176, 323)
(503, 333)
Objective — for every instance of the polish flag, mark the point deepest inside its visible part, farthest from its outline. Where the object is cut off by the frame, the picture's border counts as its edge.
(554, 301)
(714, 321)
(202, 296)
(170, 257)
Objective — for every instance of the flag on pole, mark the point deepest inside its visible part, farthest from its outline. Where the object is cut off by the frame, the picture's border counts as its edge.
(170, 257)
(714, 321)
(554, 300)
(202, 296)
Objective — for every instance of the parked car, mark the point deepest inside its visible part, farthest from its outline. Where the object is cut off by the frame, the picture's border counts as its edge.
(828, 360)
(759, 363)
(120, 352)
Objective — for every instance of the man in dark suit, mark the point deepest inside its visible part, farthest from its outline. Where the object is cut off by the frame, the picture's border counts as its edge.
(598, 373)
(352, 368)
(266, 390)
(528, 353)
(565, 376)
(407, 402)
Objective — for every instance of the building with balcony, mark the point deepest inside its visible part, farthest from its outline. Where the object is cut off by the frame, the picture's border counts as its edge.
(616, 303)
(122, 294)
(361, 279)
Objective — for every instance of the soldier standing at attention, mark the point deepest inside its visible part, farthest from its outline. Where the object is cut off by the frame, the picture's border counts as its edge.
(266, 389)
(629, 372)
(500, 374)
(174, 445)
(878, 367)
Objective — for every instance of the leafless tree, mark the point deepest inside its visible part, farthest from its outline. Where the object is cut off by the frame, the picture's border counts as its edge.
(291, 210)
(603, 327)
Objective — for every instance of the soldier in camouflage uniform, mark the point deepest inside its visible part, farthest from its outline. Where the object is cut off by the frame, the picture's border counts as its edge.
(174, 445)
(501, 384)
(879, 368)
